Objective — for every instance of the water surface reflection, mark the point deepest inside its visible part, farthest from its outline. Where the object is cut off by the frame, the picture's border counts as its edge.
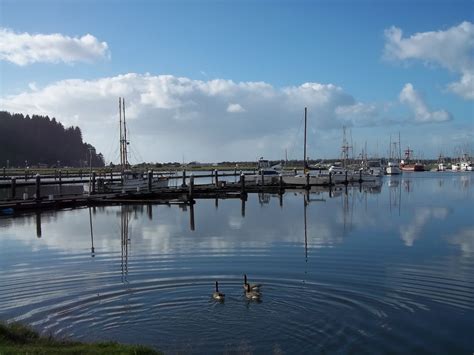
(383, 268)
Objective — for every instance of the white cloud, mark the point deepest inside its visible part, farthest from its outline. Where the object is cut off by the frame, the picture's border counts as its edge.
(452, 49)
(422, 113)
(168, 113)
(235, 108)
(24, 48)
(413, 230)
(465, 239)
(170, 116)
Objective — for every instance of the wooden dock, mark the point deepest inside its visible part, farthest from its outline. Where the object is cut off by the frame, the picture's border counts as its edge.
(184, 193)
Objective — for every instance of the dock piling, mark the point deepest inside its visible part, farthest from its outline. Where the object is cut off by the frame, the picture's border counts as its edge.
(216, 180)
(93, 182)
(307, 181)
(38, 187)
(150, 178)
(184, 178)
(60, 177)
(191, 187)
(13, 188)
(242, 183)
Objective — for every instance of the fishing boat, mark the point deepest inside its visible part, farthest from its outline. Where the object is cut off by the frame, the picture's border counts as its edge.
(266, 172)
(464, 164)
(393, 168)
(407, 165)
(131, 181)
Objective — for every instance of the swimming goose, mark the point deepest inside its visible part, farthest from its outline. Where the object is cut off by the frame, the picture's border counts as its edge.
(218, 296)
(253, 287)
(252, 295)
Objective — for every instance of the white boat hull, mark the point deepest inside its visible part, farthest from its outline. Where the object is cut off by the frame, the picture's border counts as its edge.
(135, 185)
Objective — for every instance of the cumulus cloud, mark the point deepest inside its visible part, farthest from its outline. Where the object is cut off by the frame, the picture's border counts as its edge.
(421, 111)
(244, 119)
(170, 116)
(25, 48)
(235, 108)
(452, 49)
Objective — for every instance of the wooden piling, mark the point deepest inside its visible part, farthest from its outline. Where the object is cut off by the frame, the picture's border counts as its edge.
(330, 178)
(216, 180)
(38, 187)
(13, 188)
(280, 183)
(93, 182)
(262, 177)
(346, 181)
(242, 183)
(191, 187)
(184, 179)
(60, 177)
(150, 180)
(360, 176)
(307, 181)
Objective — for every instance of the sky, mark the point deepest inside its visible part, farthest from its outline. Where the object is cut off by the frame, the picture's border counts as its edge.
(217, 81)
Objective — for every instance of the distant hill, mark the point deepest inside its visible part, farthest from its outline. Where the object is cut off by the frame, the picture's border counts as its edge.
(41, 140)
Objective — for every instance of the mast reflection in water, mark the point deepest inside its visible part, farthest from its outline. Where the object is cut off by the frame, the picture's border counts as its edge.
(370, 268)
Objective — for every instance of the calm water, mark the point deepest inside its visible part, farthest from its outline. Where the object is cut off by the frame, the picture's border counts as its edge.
(376, 269)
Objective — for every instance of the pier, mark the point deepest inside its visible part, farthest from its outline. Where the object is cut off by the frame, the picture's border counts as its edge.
(183, 188)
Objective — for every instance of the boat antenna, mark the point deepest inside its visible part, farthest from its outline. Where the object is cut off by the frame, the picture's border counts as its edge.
(121, 137)
(305, 124)
(125, 142)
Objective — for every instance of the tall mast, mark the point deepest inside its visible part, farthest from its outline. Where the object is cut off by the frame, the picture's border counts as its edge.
(390, 149)
(125, 142)
(121, 138)
(399, 147)
(305, 123)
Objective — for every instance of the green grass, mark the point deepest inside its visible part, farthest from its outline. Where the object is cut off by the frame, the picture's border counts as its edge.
(18, 339)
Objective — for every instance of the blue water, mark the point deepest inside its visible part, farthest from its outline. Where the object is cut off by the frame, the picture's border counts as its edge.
(370, 269)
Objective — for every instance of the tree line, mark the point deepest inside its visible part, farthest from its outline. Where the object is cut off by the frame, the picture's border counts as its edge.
(43, 141)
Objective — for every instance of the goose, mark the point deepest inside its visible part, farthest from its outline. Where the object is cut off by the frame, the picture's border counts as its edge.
(253, 287)
(252, 295)
(218, 296)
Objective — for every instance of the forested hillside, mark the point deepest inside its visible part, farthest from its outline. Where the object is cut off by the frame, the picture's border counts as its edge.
(40, 140)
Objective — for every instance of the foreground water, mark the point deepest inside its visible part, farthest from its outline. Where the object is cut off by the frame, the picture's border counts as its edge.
(372, 269)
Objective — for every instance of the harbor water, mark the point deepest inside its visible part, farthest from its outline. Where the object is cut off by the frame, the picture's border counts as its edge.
(384, 268)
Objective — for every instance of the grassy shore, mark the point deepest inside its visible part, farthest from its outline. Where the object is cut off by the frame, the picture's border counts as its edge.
(18, 339)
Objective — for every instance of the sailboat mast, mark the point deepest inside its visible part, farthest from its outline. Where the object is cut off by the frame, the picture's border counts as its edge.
(125, 153)
(399, 147)
(121, 139)
(305, 124)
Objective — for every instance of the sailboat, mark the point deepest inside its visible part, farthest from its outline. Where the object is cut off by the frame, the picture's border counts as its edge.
(319, 178)
(393, 167)
(132, 181)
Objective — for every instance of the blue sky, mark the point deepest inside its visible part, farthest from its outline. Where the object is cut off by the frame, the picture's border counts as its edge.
(283, 44)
